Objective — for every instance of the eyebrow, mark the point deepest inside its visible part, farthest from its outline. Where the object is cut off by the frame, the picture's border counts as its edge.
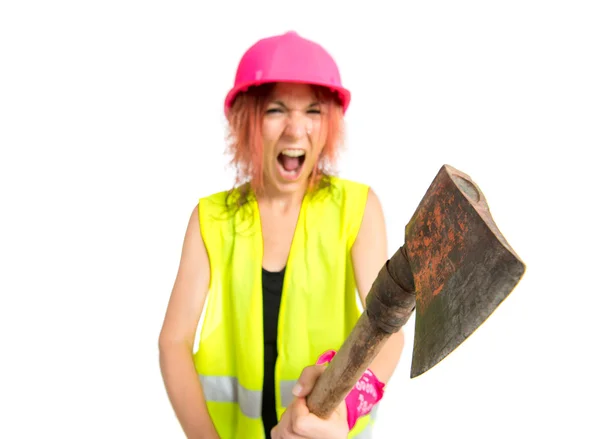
(314, 104)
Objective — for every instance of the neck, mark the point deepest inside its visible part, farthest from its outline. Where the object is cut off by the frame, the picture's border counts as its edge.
(282, 202)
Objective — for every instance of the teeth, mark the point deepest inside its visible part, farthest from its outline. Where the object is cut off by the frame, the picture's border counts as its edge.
(293, 152)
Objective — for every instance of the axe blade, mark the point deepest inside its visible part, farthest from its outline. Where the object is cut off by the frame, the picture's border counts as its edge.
(462, 265)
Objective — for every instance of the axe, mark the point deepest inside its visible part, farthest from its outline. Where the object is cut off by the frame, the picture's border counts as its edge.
(454, 268)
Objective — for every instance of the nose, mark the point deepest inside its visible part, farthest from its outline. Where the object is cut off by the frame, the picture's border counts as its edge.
(298, 125)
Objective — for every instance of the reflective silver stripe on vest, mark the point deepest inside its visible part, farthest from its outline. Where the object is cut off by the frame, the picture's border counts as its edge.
(373, 412)
(367, 433)
(285, 389)
(228, 389)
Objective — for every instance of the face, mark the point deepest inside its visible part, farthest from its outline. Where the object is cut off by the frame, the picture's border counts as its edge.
(293, 136)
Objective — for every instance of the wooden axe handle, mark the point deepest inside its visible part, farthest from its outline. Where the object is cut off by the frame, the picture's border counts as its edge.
(390, 303)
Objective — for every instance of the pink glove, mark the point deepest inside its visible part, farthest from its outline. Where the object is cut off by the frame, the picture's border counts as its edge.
(367, 392)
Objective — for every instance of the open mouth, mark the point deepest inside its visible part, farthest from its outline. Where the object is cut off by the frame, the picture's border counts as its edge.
(291, 162)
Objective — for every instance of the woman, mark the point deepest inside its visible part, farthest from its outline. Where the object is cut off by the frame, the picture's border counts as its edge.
(279, 258)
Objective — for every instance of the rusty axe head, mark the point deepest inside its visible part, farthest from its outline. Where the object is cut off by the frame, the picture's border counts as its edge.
(462, 266)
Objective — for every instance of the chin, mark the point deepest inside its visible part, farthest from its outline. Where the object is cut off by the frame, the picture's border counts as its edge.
(287, 186)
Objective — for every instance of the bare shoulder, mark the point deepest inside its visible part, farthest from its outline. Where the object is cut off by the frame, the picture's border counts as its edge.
(373, 208)
(190, 287)
(369, 251)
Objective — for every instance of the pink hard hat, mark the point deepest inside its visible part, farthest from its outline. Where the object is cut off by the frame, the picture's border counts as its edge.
(287, 58)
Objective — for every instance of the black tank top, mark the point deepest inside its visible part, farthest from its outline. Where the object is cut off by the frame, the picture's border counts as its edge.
(272, 287)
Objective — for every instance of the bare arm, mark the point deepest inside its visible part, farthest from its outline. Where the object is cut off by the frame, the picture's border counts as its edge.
(369, 254)
(177, 336)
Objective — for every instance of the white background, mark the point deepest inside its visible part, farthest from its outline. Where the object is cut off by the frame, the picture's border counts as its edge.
(111, 128)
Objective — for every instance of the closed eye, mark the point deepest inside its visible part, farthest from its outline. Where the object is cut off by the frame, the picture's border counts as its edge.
(274, 110)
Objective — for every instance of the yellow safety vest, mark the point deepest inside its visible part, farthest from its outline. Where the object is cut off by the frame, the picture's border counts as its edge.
(318, 305)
